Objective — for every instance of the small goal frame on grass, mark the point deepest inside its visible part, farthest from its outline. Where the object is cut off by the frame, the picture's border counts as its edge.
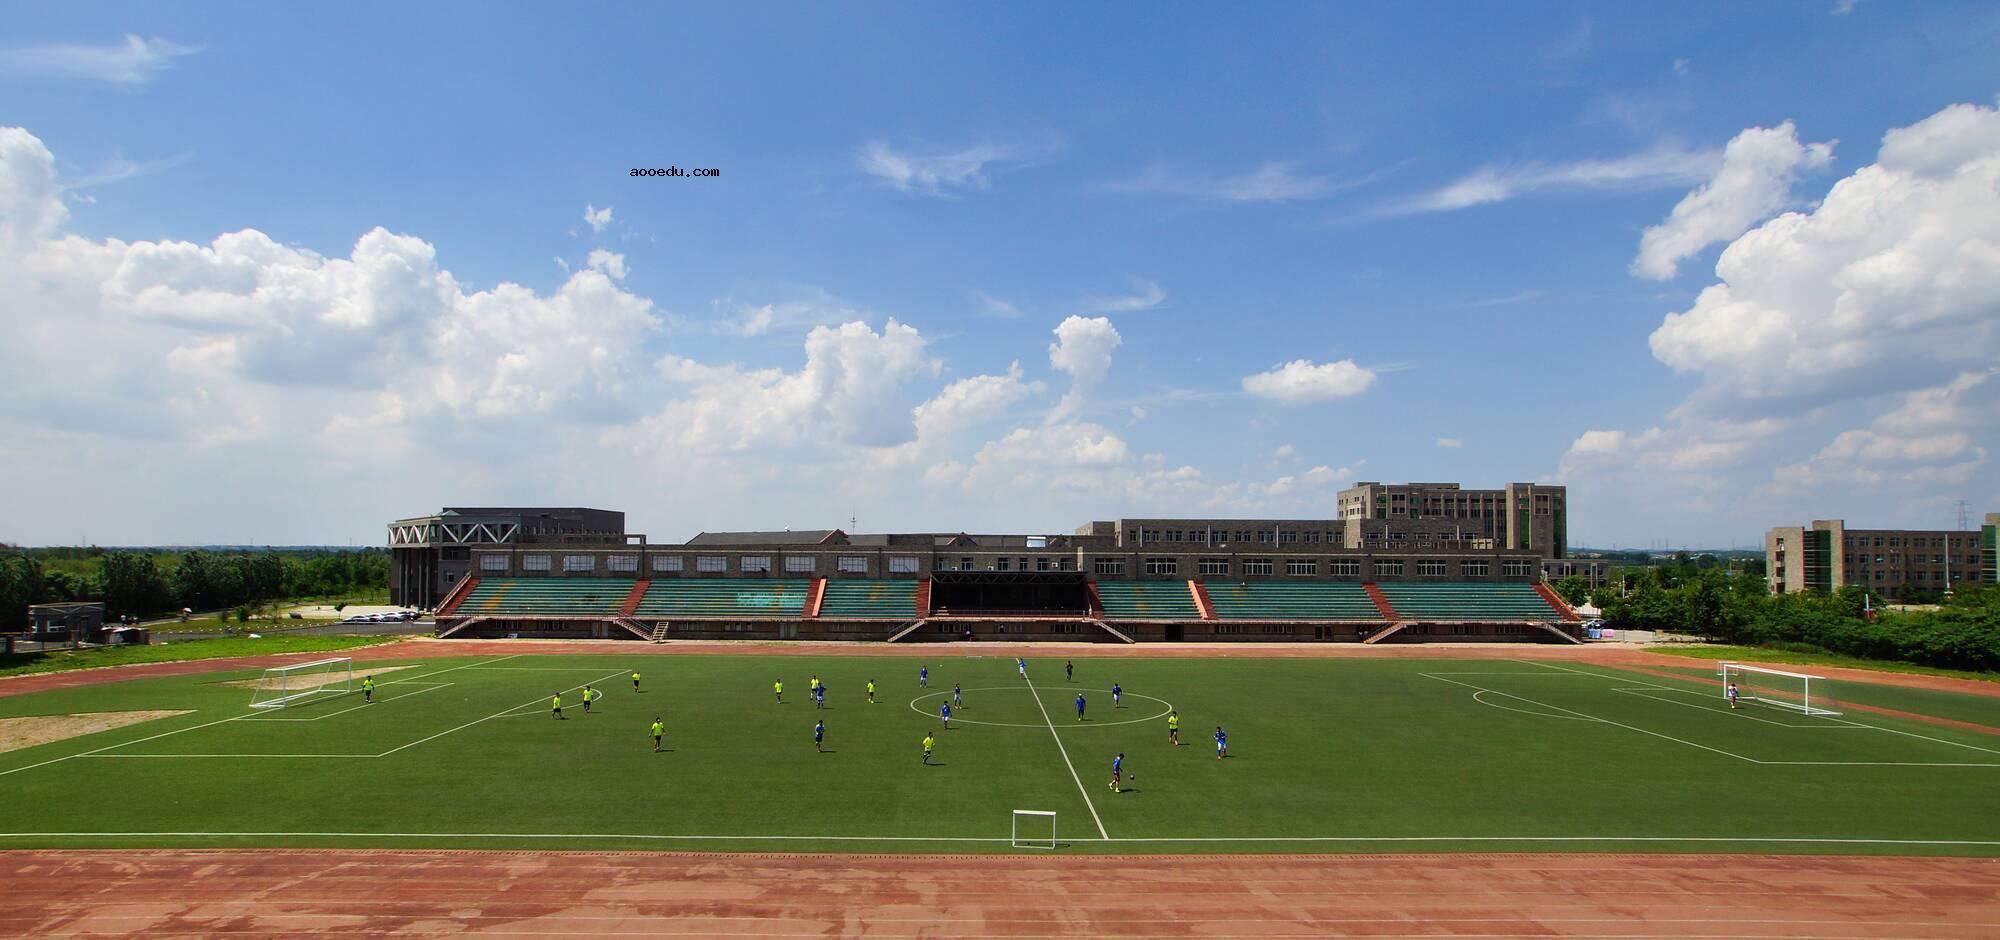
(1793, 691)
(1014, 829)
(283, 686)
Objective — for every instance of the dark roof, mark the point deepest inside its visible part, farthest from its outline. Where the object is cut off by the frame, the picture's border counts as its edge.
(791, 537)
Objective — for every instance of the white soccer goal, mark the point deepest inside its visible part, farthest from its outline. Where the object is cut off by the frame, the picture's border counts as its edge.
(1033, 840)
(1794, 691)
(282, 686)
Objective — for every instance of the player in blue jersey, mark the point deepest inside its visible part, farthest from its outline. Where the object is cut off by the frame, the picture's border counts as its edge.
(1221, 743)
(1117, 693)
(1079, 706)
(956, 699)
(1022, 665)
(923, 677)
(945, 710)
(819, 735)
(1117, 770)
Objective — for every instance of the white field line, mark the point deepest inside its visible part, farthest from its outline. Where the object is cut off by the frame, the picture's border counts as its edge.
(1846, 721)
(1065, 756)
(1510, 708)
(481, 664)
(58, 760)
(1644, 690)
(660, 837)
(500, 714)
(100, 751)
(1616, 724)
(427, 687)
(200, 756)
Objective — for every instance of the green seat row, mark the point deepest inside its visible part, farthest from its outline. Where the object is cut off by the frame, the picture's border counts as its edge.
(1147, 600)
(892, 600)
(1468, 601)
(560, 596)
(724, 597)
(1285, 600)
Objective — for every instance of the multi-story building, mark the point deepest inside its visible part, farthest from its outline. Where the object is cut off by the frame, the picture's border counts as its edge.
(1827, 556)
(561, 571)
(430, 554)
(1526, 517)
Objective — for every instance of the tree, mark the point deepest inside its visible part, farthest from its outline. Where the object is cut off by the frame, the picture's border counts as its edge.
(1573, 589)
(20, 585)
(133, 585)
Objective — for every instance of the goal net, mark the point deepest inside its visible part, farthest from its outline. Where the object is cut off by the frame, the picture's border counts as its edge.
(1028, 827)
(284, 686)
(1793, 691)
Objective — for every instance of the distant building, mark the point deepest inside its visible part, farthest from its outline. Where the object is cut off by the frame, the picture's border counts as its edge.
(1595, 572)
(69, 621)
(1519, 517)
(431, 554)
(1828, 556)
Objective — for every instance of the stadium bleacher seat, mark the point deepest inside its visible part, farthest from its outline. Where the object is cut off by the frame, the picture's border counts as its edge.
(1467, 601)
(880, 600)
(578, 597)
(724, 597)
(1283, 600)
(1147, 600)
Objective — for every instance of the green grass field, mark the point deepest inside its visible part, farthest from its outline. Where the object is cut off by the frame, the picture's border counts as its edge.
(1327, 756)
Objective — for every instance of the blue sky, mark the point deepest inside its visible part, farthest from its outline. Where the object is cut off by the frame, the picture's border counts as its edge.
(280, 274)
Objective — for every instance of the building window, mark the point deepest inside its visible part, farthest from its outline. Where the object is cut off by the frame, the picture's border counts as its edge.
(622, 562)
(1001, 565)
(1430, 568)
(801, 564)
(756, 563)
(965, 564)
(534, 562)
(1472, 569)
(711, 563)
(667, 563)
(903, 565)
(579, 563)
(1264, 536)
(1041, 564)
(1516, 569)
(1301, 566)
(1392, 567)
(1344, 567)
(1163, 566)
(1214, 566)
(493, 563)
(1257, 566)
(853, 564)
(1109, 566)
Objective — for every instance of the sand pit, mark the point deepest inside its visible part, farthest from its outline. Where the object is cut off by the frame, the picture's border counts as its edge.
(17, 733)
(299, 682)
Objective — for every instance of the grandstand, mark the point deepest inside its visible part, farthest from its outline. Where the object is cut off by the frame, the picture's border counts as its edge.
(566, 573)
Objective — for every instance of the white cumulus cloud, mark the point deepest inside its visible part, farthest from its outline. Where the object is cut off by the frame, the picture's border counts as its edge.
(1302, 381)
(596, 218)
(1083, 350)
(1759, 168)
(1893, 279)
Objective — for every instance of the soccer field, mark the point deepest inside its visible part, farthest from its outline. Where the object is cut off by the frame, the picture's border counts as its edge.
(1327, 755)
